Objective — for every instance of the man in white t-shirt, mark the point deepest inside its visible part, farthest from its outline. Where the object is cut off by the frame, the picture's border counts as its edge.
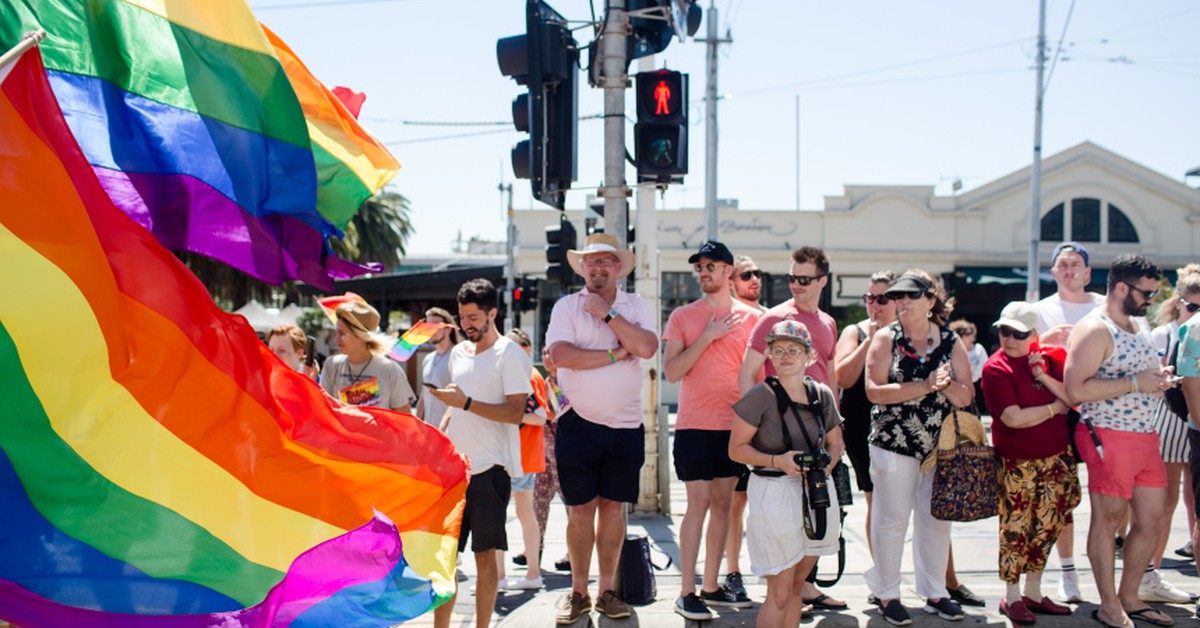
(1057, 316)
(489, 377)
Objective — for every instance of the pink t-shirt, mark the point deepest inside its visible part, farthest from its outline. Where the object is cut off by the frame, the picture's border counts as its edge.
(820, 325)
(708, 391)
(612, 394)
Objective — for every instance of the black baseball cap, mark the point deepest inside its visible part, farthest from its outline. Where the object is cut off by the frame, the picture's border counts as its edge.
(714, 251)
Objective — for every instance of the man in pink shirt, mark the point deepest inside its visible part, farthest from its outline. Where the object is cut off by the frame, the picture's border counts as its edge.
(596, 337)
(806, 279)
(704, 344)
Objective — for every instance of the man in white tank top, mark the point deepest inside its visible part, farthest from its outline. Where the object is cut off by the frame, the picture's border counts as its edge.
(1113, 371)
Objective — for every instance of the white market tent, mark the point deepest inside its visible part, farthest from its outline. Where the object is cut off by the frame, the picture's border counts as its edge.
(259, 318)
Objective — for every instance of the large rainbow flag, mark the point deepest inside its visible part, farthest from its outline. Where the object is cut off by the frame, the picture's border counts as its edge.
(207, 131)
(159, 467)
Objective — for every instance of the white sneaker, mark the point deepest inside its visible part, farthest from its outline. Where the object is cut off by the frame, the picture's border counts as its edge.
(523, 584)
(1068, 588)
(1155, 589)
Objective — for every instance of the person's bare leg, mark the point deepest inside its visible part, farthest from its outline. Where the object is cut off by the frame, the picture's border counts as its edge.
(870, 548)
(443, 613)
(581, 538)
(610, 534)
(721, 490)
(699, 496)
(1189, 498)
(795, 607)
(951, 577)
(487, 583)
(530, 534)
(1148, 506)
(1107, 511)
(1174, 478)
(773, 611)
(733, 538)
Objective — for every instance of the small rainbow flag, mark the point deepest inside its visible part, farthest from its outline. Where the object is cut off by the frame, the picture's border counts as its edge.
(412, 339)
(330, 304)
(159, 466)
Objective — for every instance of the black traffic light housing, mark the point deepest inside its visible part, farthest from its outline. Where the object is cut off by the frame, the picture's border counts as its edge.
(525, 295)
(545, 59)
(559, 240)
(660, 135)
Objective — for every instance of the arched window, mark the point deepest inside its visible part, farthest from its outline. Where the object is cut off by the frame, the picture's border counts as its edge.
(1088, 220)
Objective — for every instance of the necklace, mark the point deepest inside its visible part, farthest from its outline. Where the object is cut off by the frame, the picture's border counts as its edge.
(354, 379)
(907, 349)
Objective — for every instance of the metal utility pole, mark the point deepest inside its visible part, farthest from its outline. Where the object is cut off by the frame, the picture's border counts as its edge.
(655, 479)
(510, 261)
(710, 136)
(614, 81)
(1032, 288)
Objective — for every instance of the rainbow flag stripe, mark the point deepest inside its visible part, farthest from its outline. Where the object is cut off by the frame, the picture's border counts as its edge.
(412, 340)
(158, 465)
(196, 130)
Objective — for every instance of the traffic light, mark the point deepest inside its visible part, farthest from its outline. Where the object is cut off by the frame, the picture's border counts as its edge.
(660, 135)
(559, 240)
(544, 59)
(525, 296)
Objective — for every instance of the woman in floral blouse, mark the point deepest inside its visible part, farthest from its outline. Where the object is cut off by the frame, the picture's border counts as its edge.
(917, 370)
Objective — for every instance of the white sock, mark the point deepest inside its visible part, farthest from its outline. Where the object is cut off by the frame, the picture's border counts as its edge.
(1012, 592)
(1150, 576)
(1067, 564)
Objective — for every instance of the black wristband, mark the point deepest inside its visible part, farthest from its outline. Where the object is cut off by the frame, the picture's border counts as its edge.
(467, 405)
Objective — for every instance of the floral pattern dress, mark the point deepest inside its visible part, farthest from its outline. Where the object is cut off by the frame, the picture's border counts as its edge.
(911, 428)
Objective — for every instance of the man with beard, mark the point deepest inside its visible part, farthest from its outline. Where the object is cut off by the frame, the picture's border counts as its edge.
(747, 282)
(1114, 372)
(807, 276)
(436, 367)
(596, 337)
(489, 377)
(704, 344)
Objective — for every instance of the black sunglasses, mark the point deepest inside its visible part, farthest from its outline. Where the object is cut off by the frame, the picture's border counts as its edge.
(746, 275)
(1008, 332)
(709, 266)
(1191, 307)
(803, 280)
(1146, 294)
(913, 295)
(881, 299)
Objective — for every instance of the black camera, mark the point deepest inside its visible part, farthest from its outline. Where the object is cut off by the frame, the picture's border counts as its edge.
(814, 464)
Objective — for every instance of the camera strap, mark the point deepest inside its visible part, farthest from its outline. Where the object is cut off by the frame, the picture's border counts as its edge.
(814, 529)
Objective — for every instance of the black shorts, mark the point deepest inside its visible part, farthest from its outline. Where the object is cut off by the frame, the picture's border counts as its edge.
(703, 455)
(485, 511)
(598, 461)
(856, 433)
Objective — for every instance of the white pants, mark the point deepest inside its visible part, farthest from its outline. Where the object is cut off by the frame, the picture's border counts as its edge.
(902, 491)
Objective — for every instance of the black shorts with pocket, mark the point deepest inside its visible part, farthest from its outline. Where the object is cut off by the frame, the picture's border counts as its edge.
(703, 455)
(598, 461)
(485, 511)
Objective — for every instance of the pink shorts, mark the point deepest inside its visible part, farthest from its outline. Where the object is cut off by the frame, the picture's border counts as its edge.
(1130, 459)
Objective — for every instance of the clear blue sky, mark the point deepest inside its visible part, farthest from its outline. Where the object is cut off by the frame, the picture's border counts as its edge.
(890, 93)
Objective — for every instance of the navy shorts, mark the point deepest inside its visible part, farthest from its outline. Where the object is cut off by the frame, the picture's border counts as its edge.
(1194, 464)
(598, 461)
(703, 455)
(485, 511)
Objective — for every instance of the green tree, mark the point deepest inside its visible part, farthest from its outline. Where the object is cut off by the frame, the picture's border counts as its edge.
(379, 231)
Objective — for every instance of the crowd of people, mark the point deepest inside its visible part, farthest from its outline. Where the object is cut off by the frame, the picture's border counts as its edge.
(771, 399)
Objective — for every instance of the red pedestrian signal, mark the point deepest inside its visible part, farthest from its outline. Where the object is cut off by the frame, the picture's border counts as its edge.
(660, 136)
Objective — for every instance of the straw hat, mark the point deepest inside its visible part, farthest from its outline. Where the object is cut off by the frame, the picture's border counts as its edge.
(601, 243)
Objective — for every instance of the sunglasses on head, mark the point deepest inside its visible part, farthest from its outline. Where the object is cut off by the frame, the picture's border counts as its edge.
(709, 266)
(803, 280)
(1191, 307)
(747, 274)
(912, 295)
(1009, 332)
(881, 299)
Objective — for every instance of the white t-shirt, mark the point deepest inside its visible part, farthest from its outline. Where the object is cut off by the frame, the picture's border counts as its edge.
(379, 382)
(435, 370)
(1053, 311)
(612, 394)
(502, 369)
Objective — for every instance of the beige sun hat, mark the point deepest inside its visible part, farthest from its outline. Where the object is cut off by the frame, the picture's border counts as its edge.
(601, 243)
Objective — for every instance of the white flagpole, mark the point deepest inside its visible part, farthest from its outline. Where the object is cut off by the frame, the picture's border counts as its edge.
(29, 41)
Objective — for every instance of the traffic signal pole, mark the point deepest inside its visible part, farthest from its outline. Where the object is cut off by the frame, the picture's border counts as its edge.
(614, 81)
(510, 262)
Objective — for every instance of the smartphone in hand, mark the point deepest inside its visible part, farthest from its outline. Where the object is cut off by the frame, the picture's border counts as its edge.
(310, 352)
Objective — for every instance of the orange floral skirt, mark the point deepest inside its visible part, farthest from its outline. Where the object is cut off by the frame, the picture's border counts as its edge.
(1036, 500)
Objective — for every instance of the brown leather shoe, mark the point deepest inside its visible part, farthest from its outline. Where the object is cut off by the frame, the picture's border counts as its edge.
(612, 606)
(572, 607)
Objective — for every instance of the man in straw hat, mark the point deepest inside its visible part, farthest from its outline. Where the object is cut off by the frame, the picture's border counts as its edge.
(596, 338)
